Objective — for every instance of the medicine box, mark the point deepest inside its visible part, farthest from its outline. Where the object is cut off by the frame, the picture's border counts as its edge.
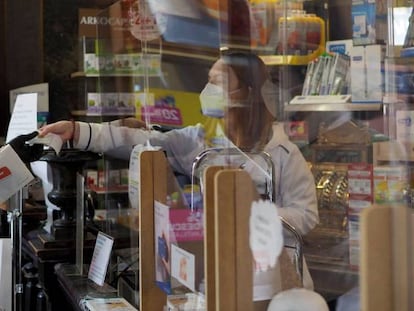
(399, 76)
(405, 126)
(390, 183)
(90, 63)
(369, 21)
(367, 77)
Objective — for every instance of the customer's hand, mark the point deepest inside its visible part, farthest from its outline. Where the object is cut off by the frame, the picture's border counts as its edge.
(27, 153)
(65, 129)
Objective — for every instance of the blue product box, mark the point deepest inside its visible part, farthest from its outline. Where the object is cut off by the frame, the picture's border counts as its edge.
(369, 21)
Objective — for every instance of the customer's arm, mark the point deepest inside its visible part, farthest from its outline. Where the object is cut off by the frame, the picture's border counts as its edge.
(67, 130)
(180, 145)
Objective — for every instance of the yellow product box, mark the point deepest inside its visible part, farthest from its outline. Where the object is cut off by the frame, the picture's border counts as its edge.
(390, 183)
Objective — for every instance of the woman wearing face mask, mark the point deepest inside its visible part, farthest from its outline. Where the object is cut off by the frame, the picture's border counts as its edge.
(235, 94)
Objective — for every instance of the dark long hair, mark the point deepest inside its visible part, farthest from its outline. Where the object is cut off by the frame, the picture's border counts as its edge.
(255, 121)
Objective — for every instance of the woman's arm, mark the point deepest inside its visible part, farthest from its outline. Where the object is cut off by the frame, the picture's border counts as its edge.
(296, 193)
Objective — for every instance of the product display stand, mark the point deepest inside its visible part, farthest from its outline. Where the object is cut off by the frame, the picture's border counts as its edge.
(386, 272)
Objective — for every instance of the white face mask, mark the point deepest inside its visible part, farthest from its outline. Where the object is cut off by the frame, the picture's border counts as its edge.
(213, 100)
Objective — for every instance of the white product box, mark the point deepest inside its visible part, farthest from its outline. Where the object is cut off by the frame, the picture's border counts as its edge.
(404, 126)
(353, 228)
(122, 63)
(106, 64)
(354, 253)
(367, 82)
(126, 99)
(109, 99)
(90, 63)
(94, 100)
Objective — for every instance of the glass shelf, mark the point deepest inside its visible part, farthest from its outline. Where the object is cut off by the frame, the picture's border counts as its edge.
(334, 107)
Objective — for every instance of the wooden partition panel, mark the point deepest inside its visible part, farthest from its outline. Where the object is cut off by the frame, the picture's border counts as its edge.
(386, 258)
(228, 195)
(209, 235)
(234, 263)
(153, 186)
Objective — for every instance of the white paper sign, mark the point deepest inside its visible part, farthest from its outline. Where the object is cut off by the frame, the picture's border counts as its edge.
(24, 117)
(14, 174)
(183, 266)
(100, 258)
(162, 244)
(134, 176)
(266, 234)
(135, 172)
(42, 91)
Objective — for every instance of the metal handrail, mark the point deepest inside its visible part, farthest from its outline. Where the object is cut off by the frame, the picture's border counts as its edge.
(271, 193)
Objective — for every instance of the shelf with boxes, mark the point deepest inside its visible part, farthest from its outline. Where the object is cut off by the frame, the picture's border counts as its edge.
(107, 186)
(109, 176)
(113, 81)
(111, 93)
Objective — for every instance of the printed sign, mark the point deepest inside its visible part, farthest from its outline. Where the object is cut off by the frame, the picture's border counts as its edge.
(144, 25)
(100, 258)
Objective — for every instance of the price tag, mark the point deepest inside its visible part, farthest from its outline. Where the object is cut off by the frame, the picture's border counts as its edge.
(162, 115)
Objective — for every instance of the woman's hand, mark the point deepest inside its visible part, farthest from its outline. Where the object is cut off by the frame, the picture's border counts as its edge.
(65, 129)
